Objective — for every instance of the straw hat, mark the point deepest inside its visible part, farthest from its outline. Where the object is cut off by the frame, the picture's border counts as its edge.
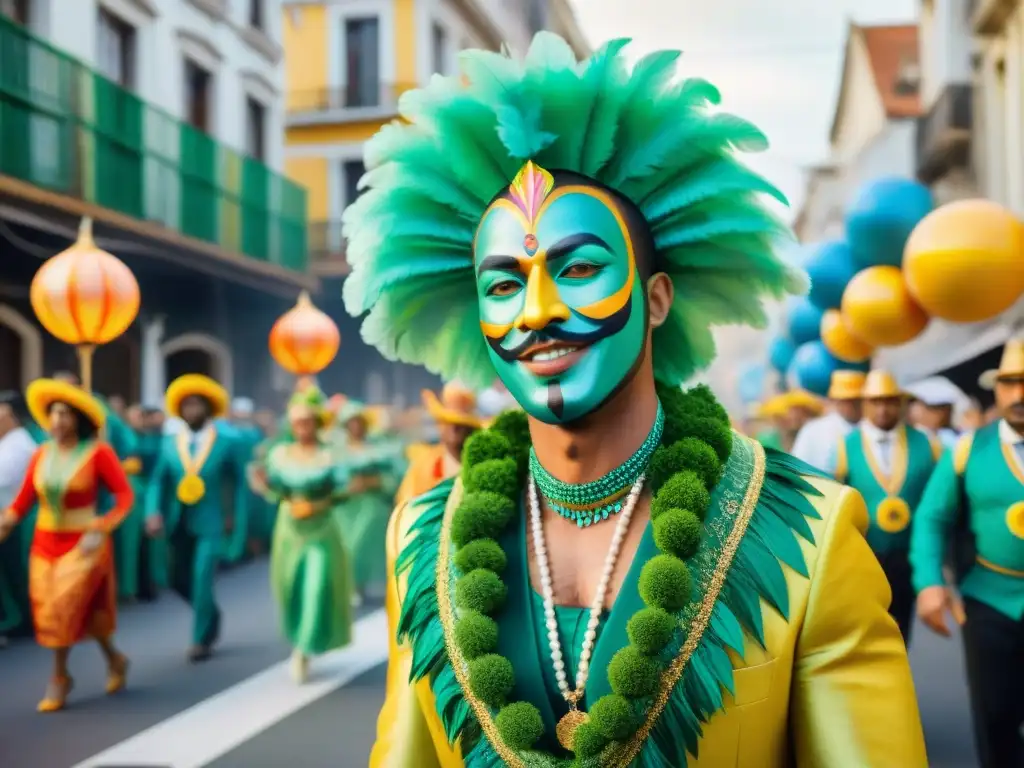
(457, 405)
(879, 384)
(846, 385)
(42, 393)
(1011, 366)
(201, 386)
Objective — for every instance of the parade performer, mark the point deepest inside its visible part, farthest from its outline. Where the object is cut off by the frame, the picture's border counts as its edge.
(71, 565)
(935, 400)
(185, 499)
(17, 446)
(309, 568)
(889, 462)
(364, 512)
(983, 479)
(817, 439)
(615, 578)
(128, 538)
(456, 418)
(250, 437)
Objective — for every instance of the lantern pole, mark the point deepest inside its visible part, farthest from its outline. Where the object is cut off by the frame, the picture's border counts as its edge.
(85, 356)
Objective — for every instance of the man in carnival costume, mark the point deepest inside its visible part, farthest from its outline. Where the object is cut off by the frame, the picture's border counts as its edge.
(185, 499)
(615, 578)
(455, 415)
(889, 462)
(980, 481)
(816, 440)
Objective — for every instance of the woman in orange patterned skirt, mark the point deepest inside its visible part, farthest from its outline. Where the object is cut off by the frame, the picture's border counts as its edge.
(71, 566)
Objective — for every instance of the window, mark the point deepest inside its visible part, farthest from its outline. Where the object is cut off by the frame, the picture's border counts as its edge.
(115, 49)
(440, 49)
(255, 128)
(362, 63)
(198, 94)
(18, 11)
(351, 172)
(256, 14)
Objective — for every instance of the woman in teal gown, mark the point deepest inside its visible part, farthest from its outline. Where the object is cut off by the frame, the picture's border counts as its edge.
(309, 566)
(374, 470)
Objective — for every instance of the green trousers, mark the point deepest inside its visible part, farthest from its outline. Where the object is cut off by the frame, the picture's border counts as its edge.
(193, 568)
(128, 543)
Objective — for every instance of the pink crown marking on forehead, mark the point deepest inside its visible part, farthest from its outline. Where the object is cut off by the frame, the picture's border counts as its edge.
(530, 188)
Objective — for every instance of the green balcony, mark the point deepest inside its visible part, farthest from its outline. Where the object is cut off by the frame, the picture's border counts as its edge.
(65, 128)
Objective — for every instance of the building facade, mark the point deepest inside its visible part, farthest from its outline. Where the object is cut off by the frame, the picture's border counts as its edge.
(163, 121)
(347, 64)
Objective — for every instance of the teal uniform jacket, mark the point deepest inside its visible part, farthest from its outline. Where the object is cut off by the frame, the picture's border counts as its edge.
(128, 538)
(150, 445)
(982, 475)
(196, 555)
(913, 461)
(261, 513)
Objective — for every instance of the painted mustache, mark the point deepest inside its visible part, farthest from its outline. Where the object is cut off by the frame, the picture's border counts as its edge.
(556, 332)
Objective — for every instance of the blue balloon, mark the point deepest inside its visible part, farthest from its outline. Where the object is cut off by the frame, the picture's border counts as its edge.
(830, 268)
(780, 353)
(813, 365)
(804, 320)
(881, 218)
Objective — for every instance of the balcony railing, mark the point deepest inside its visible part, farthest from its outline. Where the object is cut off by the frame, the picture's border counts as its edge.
(382, 97)
(327, 248)
(944, 134)
(68, 129)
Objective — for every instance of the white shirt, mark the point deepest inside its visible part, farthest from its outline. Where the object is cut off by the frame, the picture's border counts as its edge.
(16, 449)
(1012, 437)
(881, 443)
(197, 439)
(816, 441)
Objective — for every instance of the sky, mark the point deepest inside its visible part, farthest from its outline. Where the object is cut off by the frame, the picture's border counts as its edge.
(776, 62)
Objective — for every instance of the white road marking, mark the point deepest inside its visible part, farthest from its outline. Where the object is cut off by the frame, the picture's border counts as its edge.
(199, 735)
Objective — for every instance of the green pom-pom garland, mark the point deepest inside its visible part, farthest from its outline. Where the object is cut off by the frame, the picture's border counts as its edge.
(696, 442)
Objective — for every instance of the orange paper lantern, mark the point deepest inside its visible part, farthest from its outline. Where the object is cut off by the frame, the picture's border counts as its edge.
(84, 295)
(304, 340)
(838, 339)
(963, 261)
(879, 310)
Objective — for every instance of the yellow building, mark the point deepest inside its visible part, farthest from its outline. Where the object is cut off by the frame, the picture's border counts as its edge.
(347, 63)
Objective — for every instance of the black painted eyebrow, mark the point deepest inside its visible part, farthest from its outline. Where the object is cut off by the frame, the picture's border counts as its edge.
(567, 245)
(499, 263)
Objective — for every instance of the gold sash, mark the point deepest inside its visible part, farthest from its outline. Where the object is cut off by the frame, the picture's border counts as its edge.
(893, 514)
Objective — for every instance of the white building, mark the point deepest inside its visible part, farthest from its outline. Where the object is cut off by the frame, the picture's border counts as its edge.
(216, 64)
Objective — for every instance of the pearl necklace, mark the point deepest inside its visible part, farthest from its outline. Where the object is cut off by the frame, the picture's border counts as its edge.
(567, 726)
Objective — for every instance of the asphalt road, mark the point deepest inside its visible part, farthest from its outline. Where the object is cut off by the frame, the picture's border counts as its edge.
(241, 710)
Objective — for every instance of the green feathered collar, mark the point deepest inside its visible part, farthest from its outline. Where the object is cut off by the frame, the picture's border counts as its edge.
(758, 513)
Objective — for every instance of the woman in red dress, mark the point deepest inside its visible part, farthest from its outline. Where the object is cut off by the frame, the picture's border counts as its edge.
(71, 566)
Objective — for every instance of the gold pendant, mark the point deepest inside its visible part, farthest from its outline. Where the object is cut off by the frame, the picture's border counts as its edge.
(565, 731)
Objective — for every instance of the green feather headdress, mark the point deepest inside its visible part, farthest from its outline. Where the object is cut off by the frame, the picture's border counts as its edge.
(638, 131)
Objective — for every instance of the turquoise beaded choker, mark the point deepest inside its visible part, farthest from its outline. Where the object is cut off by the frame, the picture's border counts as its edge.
(589, 503)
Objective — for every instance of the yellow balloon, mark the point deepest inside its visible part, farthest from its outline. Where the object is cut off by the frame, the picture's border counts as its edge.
(964, 261)
(879, 310)
(838, 340)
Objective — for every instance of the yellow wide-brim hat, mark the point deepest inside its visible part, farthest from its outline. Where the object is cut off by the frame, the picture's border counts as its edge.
(457, 405)
(773, 406)
(801, 398)
(846, 385)
(202, 386)
(880, 384)
(1011, 366)
(42, 393)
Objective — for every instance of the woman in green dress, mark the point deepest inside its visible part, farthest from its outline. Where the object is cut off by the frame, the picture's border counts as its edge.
(371, 463)
(309, 566)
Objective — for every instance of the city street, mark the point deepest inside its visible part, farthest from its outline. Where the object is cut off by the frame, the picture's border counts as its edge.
(241, 709)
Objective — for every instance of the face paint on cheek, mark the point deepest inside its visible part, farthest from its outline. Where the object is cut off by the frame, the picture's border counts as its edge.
(576, 288)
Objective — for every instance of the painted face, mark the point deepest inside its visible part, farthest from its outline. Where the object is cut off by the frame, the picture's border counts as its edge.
(561, 302)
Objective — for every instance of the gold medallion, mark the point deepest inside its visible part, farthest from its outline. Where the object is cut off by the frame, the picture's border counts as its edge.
(191, 489)
(1015, 519)
(301, 508)
(893, 514)
(565, 731)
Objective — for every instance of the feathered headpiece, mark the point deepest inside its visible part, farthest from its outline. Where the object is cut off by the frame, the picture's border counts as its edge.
(655, 141)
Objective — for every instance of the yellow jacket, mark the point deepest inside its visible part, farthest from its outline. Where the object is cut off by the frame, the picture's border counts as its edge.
(832, 690)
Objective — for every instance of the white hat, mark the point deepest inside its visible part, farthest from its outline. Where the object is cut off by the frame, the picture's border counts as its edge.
(936, 391)
(243, 406)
